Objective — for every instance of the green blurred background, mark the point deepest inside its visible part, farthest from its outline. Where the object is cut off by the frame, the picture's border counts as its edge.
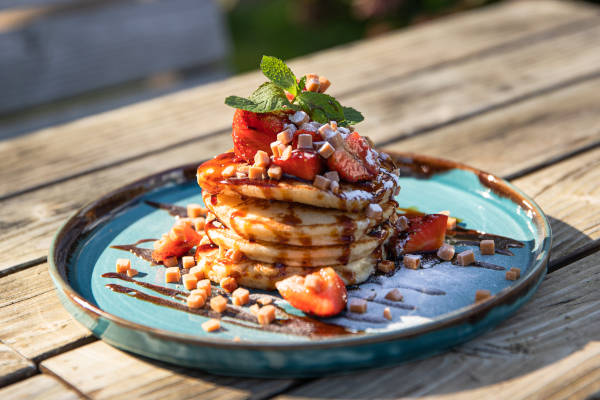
(290, 28)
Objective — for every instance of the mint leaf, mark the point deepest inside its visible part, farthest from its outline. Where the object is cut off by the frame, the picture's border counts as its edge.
(302, 83)
(279, 73)
(321, 107)
(351, 116)
(267, 98)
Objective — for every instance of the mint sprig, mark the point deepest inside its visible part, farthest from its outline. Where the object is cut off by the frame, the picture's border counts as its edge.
(271, 96)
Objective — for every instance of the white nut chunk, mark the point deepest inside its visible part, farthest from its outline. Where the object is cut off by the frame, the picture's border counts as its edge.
(374, 211)
(308, 126)
(332, 176)
(285, 136)
(323, 84)
(412, 261)
(261, 159)
(299, 118)
(334, 187)
(286, 153)
(465, 258)
(276, 148)
(305, 141)
(321, 182)
(312, 83)
(336, 140)
(326, 150)
(275, 172)
(256, 172)
(325, 131)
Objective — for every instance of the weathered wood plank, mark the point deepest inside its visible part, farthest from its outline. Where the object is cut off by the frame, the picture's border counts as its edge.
(13, 366)
(91, 143)
(111, 373)
(42, 387)
(99, 44)
(549, 349)
(533, 130)
(32, 319)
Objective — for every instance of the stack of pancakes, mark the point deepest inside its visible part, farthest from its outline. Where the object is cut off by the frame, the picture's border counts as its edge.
(288, 227)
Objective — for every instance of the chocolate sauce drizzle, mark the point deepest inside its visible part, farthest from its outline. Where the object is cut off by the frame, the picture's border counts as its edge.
(176, 211)
(144, 254)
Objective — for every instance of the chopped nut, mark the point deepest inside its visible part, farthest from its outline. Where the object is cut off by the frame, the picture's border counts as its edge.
(305, 141)
(198, 272)
(264, 300)
(211, 325)
(291, 127)
(199, 224)
(446, 252)
(333, 125)
(256, 172)
(266, 315)
(517, 271)
(205, 285)
(170, 262)
(199, 292)
(325, 131)
(465, 258)
(312, 83)
(332, 176)
(487, 247)
(394, 295)
(218, 303)
(275, 172)
(334, 187)
(189, 281)
(412, 261)
(234, 255)
(176, 233)
(261, 159)
(123, 264)
(195, 301)
(326, 150)
(241, 175)
(240, 296)
(286, 153)
(132, 272)
(314, 283)
(172, 275)
(401, 223)
(511, 275)
(321, 182)
(275, 148)
(343, 130)
(228, 284)
(285, 136)
(323, 84)
(374, 211)
(451, 223)
(299, 117)
(386, 266)
(243, 169)
(481, 295)
(336, 140)
(188, 262)
(307, 126)
(195, 210)
(387, 314)
(357, 305)
(228, 171)
(254, 309)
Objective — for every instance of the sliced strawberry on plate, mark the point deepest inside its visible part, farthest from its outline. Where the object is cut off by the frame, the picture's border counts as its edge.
(355, 162)
(425, 233)
(321, 293)
(252, 132)
(304, 164)
(178, 242)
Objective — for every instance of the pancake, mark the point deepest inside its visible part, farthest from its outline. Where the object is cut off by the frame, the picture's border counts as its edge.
(297, 256)
(259, 275)
(290, 223)
(351, 197)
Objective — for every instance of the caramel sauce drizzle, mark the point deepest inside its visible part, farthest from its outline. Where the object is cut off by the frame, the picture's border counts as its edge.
(172, 209)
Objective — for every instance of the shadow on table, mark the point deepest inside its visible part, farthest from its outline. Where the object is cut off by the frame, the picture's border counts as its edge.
(494, 358)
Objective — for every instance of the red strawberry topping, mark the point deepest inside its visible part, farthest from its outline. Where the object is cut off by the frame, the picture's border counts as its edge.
(304, 164)
(253, 132)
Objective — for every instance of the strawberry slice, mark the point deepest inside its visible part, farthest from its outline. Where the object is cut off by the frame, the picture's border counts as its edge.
(252, 132)
(304, 164)
(355, 162)
(321, 293)
(178, 242)
(425, 233)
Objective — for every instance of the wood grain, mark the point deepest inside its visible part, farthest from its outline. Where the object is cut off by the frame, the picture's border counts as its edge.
(13, 366)
(32, 319)
(566, 119)
(122, 134)
(100, 44)
(549, 349)
(39, 387)
(113, 374)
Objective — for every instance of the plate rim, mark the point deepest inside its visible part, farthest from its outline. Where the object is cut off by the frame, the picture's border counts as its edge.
(472, 312)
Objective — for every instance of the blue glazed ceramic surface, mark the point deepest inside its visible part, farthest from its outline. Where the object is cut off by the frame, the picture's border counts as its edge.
(437, 312)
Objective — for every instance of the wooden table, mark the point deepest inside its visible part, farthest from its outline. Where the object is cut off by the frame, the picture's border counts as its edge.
(513, 89)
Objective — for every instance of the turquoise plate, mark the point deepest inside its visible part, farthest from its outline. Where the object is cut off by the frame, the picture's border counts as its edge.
(438, 310)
